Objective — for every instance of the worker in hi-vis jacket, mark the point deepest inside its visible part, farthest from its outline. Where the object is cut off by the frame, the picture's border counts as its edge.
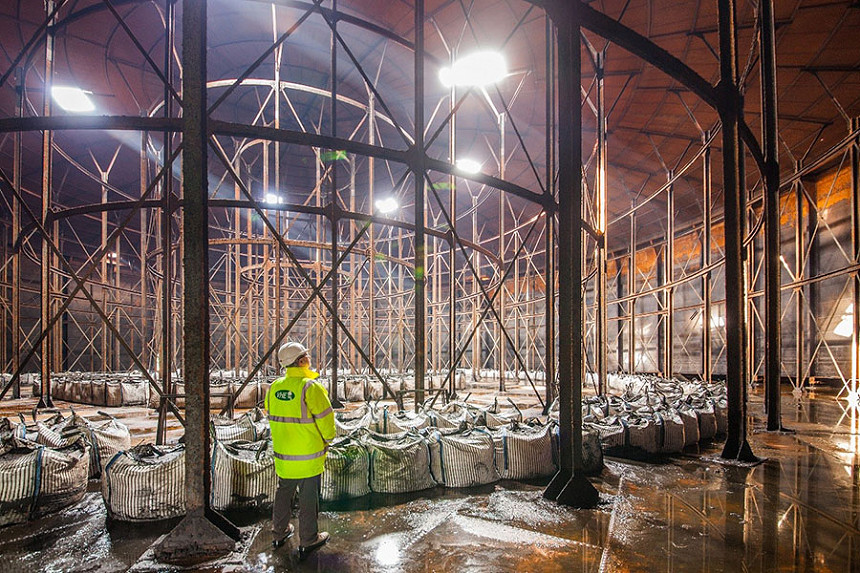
(302, 423)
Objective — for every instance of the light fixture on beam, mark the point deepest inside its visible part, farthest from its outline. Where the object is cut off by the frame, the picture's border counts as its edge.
(469, 166)
(477, 69)
(72, 99)
(387, 205)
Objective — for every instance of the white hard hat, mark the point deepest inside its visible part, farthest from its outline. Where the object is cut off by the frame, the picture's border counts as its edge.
(290, 352)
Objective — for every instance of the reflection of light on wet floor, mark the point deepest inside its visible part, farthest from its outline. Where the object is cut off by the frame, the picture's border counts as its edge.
(508, 534)
(387, 552)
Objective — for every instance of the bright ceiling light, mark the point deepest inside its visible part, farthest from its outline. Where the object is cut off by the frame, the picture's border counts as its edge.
(387, 205)
(467, 165)
(273, 198)
(476, 69)
(72, 99)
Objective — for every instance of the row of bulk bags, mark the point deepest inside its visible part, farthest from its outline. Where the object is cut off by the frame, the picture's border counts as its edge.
(101, 392)
(103, 438)
(592, 451)
(250, 396)
(37, 480)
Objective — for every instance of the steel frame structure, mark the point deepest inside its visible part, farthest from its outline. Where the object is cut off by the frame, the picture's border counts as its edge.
(434, 290)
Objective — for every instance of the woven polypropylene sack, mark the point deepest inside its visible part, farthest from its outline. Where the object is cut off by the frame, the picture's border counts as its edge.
(345, 423)
(403, 421)
(592, 452)
(354, 390)
(248, 397)
(671, 428)
(243, 474)
(721, 410)
(106, 439)
(462, 459)
(523, 451)
(643, 433)
(399, 463)
(691, 424)
(611, 431)
(262, 430)
(707, 419)
(136, 393)
(19, 483)
(146, 483)
(347, 470)
(64, 476)
(227, 430)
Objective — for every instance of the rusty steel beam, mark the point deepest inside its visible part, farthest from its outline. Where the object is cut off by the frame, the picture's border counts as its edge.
(203, 533)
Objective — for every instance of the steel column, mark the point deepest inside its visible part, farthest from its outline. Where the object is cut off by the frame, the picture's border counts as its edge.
(736, 446)
(16, 233)
(669, 274)
(418, 176)
(855, 252)
(799, 338)
(569, 486)
(203, 533)
(334, 221)
(772, 298)
(706, 263)
(166, 222)
(602, 341)
(549, 217)
(47, 257)
(631, 289)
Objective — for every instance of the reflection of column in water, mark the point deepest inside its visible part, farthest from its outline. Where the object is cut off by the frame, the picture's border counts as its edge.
(735, 517)
(770, 513)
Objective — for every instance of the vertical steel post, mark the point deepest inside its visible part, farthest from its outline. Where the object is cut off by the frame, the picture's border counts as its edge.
(143, 246)
(570, 486)
(706, 262)
(669, 275)
(418, 176)
(631, 290)
(502, 343)
(371, 271)
(334, 221)
(203, 533)
(452, 253)
(109, 256)
(798, 291)
(772, 296)
(855, 248)
(602, 340)
(733, 208)
(549, 218)
(166, 349)
(47, 351)
(16, 233)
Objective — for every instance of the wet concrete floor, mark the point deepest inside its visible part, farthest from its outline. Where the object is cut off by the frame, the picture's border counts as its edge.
(797, 511)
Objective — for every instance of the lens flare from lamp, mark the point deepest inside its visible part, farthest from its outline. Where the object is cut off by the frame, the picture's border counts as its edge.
(477, 69)
(387, 205)
(72, 99)
(467, 165)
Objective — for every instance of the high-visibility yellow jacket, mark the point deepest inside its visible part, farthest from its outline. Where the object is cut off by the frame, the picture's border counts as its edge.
(302, 423)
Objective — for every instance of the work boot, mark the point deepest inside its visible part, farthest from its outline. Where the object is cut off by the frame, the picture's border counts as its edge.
(322, 538)
(279, 540)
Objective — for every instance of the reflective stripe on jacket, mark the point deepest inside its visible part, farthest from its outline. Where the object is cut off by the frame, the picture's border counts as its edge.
(302, 423)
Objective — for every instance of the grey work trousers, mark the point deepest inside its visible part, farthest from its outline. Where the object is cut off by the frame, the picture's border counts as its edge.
(309, 498)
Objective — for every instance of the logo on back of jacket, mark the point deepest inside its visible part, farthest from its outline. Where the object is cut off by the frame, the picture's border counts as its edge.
(285, 395)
